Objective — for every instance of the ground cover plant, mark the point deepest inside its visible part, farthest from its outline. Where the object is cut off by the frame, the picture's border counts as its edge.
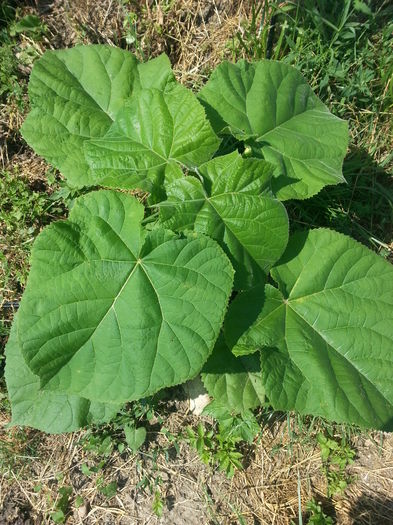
(124, 298)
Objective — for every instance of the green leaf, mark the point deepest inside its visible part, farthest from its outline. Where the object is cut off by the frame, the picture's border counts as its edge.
(27, 24)
(51, 412)
(58, 516)
(362, 7)
(135, 437)
(75, 95)
(326, 335)
(241, 314)
(121, 312)
(243, 426)
(156, 131)
(270, 106)
(228, 206)
(79, 501)
(107, 489)
(233, 382)
(269, 322)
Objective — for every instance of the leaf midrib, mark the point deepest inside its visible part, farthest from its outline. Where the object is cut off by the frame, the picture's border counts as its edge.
(209, 200)
(91, 335)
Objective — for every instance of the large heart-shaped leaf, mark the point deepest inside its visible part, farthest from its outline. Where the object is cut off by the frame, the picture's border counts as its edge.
(51, 412)
(75, 95)
(155, 132)
(270, 106)
(120, 313)
(252, 228)
(326, 336)
(233, 382)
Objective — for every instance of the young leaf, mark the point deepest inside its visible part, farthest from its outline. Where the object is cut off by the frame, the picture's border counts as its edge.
(121, 312)
(27, 24)
(328, 332)
(251, 228)
(269, 105)
(135, 437)
(233, 382)
(75, 95)
(51, 412)
(156, 131)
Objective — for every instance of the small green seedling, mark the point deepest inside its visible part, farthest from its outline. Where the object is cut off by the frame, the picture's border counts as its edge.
(336, 457)
(317, 516)
(158, 504)
(216, 449)
(30, 25)
(106, 489)
(62, 505)
(135, 437)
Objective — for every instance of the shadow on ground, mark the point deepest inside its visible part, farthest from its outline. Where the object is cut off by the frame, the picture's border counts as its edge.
(372, 509)
(362, 208)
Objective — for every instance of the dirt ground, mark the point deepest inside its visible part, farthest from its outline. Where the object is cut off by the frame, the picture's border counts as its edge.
(284, 466)
(277, 471)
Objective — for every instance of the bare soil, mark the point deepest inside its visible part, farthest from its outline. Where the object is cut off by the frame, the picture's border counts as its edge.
(266, 492)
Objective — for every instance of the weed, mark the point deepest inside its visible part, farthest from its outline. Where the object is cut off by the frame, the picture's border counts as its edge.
(89, 471)
(98, 444)
(9, 74)
(17, 55)
(317, 516)
(125, 429)
(106, 489)
(23, 213)
(158, 504)
(130, 38)
(135, 437)
(216, 449)
(255, 38)
(151, 479)
(62, 505)
(173, 441)
(7, 15)
(18, 448)
(29, 24)
(79, 501)
(336, 456)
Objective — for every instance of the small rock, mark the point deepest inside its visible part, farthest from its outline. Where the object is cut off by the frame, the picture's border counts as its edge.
(198, 398)
(83, 510)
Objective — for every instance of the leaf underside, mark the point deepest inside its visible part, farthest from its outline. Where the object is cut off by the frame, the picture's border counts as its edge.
(326, 335)
(121, 312)
(270, 106)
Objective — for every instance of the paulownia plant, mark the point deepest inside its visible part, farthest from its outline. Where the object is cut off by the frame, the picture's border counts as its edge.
(123, 300)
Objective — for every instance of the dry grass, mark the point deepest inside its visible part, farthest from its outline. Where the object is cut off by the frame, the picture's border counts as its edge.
(194, 33)
(265, 493)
